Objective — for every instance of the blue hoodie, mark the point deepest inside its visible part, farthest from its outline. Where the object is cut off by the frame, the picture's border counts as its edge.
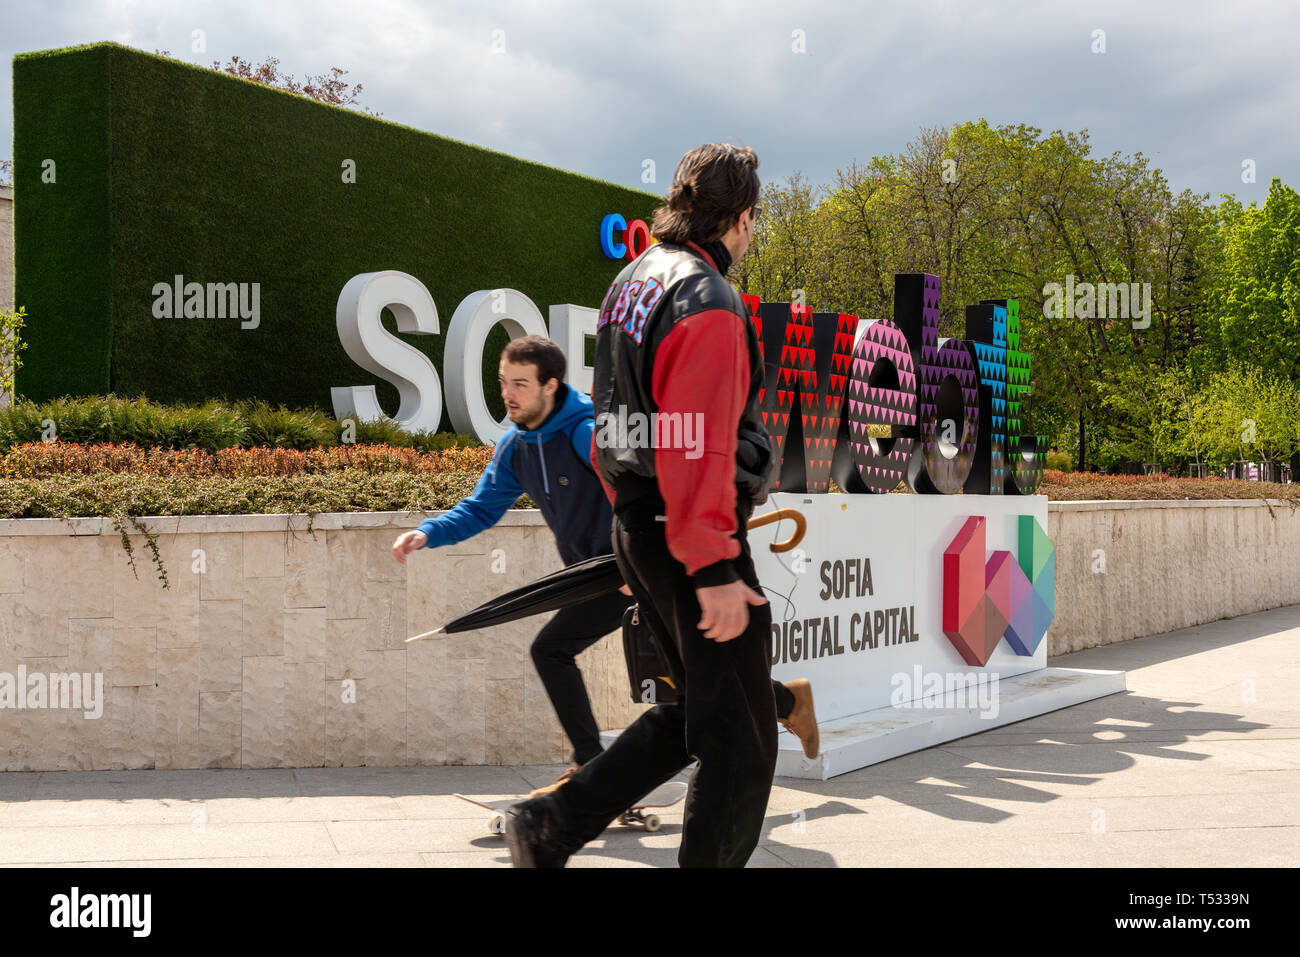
(552, 463)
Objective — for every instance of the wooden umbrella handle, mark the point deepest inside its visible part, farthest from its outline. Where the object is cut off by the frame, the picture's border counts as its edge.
(800, 526)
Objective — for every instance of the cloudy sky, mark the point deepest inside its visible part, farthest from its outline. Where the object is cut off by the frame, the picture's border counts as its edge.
(600, 87)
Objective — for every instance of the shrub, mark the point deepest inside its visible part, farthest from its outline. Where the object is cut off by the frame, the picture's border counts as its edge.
(1060, 461)
(1082, 486)
(211, 426)
(43, 459)
(279, 427)
(130, 494)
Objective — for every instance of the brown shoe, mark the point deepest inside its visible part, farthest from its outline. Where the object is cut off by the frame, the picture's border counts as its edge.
(802, 721)
(551, 787)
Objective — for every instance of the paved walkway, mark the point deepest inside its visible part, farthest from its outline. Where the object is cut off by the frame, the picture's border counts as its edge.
(1197, 765)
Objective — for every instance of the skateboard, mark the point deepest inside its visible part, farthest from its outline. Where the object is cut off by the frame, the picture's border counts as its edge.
(666, 795)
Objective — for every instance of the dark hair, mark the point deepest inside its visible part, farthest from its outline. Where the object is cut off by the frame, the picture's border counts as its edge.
(712, 186)
(544, 353)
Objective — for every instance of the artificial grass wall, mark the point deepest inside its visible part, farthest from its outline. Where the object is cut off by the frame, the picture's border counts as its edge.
(62, 236)
(164, 168)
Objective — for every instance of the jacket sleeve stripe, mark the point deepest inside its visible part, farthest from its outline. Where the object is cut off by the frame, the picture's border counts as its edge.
(700, 384)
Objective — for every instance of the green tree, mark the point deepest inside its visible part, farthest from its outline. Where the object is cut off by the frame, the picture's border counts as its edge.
(1247, 414)
(1001, 212)
(1256, 318)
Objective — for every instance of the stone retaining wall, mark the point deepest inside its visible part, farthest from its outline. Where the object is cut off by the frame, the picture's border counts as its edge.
(278, 646)
(275, 646)
(1129, 569)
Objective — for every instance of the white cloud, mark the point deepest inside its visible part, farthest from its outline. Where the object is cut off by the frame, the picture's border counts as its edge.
(597, 87)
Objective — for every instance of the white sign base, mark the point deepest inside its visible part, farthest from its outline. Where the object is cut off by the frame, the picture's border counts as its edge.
(860, 740)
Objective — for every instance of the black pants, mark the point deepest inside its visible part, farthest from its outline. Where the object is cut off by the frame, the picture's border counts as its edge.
(726, 718)
(570, 632)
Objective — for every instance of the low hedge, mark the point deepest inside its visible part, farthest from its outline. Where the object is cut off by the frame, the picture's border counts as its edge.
(63, 480)
(42, 459)
(127, 494)
(1086, 486)
(216, 424)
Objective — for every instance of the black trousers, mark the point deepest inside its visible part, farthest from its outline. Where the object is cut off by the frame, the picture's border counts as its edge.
(725, 719)
(572, 631)
(568, 634)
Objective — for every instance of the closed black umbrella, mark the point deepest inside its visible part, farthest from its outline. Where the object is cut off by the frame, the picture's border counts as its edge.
(569, 586)
(577, 583)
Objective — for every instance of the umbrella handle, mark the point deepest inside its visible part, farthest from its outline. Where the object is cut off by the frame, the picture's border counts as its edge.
(800, 526)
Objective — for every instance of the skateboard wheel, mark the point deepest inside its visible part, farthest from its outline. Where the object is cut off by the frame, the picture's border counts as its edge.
(652, 822)
(497, 825)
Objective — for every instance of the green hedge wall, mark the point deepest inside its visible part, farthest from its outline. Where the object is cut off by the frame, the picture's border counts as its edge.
(167, 168)
(63, 263)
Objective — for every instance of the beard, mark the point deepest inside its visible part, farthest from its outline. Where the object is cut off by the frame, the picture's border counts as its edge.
(523, 414)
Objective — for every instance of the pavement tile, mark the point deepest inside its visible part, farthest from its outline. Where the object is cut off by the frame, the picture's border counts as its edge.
(1198, 765)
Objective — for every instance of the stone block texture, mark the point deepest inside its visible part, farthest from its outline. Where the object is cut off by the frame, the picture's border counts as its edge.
(273, 645)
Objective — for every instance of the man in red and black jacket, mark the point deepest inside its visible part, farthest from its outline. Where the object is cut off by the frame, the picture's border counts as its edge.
(682, 452)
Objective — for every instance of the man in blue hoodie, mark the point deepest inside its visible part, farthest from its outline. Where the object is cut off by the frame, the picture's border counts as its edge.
(547, 454)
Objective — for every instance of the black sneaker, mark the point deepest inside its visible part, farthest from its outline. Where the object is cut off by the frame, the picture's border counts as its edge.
(532, 836)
